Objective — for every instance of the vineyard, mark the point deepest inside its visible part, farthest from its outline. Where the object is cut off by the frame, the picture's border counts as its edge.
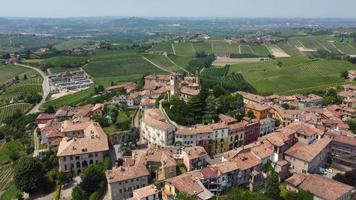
(296, 74)
(162, 61)
(70, 100)
(17, 91)
(6, 173)
(9, 110)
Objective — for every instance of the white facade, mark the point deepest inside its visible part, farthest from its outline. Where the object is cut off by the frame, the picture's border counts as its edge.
(267, 126)
(158, 136)
(186, 140)
(77, 163)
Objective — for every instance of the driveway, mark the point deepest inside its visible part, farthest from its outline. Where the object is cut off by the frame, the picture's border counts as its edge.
(45, 88)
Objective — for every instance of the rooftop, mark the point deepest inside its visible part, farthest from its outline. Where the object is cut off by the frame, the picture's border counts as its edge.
(319, 186)
(195, 152)
(118, 174)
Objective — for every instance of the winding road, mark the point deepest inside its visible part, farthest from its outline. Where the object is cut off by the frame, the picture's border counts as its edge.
(45, 88)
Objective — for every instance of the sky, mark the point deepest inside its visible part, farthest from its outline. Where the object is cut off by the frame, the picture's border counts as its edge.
(179, 8)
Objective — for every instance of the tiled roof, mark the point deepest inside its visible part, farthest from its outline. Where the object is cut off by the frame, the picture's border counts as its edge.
(195, 152)
(144, 192)
(94, 140)
(117, 174)
(155, 118)
(305, 129)
(345, 140)
(308, 152)
(319, 186)
(188, 182)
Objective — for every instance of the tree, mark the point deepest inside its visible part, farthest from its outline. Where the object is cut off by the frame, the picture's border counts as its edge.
(280, 63)
(272, 189)
(28, 174)
(285, 106)
(185, 196)
(78, 194)
(25, 77)
(277, 122)
(251, 115)
(218, 91)
(300, 195)
(92, 176)
(331, 97)
(344, 75)
(63, 177)
(99, 89)
(352, 124)
(50, 109)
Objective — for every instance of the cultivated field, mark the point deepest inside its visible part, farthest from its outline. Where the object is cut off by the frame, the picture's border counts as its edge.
(123, 67)
(297, 74)
(64, 63)
(71, 44)
(162, 61)
(222, 61)
(9, 110)
(10, 71)
(277, 51)
(70, 100)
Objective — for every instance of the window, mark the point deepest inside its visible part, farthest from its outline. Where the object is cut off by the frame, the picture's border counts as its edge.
(64, 159)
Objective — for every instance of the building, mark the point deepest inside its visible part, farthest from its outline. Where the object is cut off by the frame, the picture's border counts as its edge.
(84, 143)
(127, 87)
(188, 183)
(236, 134)
(321, 187)
(43, 118)
(70, 80)
(124, 180)
(344, 150)
(253, 99)
(352, 74)
(286, 117)
(251, 130)
(307, 158)
(51, 134)
(194, 157)
(146, 193)
(155, 129)
(259, 111)
(267, 126)
(311, 100)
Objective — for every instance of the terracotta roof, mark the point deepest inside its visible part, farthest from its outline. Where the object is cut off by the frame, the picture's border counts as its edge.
(118, 174)
(155, 118)
(188, 182)
(308, 152)
(195, 152)
(189, 91)
(319, 186)
(210, 172)
(129, 86)
(345, 140)
(71, 126)
(282, 163)
(305, 129)
(227, 119)
(45, 116)
(257, 107)
(94, 140)
(252, 97)
(83, 111)
(246, 160)
(148, 102)
(235, 126)
(263, 150)
(227, 166)
(144, 192)
(52, 129)
(200, 129)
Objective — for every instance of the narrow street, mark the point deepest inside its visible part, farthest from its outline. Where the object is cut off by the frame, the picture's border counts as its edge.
(36, 144)
(45, 88)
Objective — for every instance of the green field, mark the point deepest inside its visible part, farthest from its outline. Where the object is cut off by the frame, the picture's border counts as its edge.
(8, 72)
(33, 83)
(203, 46)
(121, 66)
(223, 48)
(184, 49)
(70, 100)
(181, 60)
(162, 61)
(162, 47)
(259, 50)
(9, 110)
(297, 74)
(71, 44)
(64, 63)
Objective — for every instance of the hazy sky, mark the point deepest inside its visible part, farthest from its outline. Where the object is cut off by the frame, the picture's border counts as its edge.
(185, 8)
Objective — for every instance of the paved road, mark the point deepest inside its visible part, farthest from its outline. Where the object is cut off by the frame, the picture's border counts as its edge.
(45, 88)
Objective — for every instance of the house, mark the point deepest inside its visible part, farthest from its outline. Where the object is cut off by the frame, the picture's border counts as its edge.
(321, 187)
(305, 158)
(147, 103)
(64, 113)
(84, 143)
(189, 183)
(351, 74)
(344, 149)
(267, 126)
(194, 157)
(286, 117)
(146, 193)
(253, 99)
(260, 111)
(127, 87)
(306, 133)
(311, 100)
(134, 99)
(155, 129)
(124, 180)
(251, 130)
(51, 134)
(236, 134)
(281, 167)
(43, 118)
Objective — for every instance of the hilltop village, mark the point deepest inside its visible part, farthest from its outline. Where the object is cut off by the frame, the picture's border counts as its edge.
(295, 139)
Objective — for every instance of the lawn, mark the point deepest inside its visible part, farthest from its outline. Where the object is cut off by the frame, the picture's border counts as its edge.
(70, 100)
(297, 74)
